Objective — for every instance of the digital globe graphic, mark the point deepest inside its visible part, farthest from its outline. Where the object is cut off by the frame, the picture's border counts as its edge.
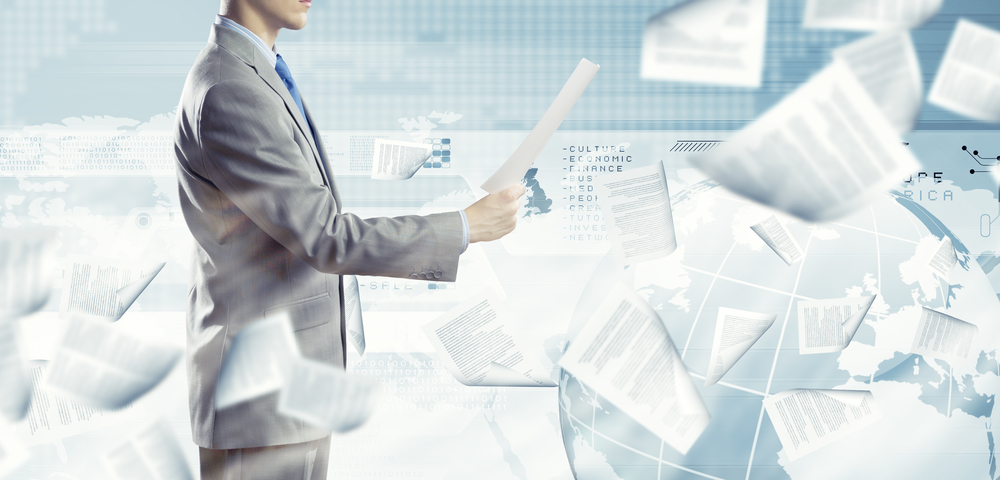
(936, 418)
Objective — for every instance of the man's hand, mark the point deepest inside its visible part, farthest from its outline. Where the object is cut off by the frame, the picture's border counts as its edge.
(494, 215)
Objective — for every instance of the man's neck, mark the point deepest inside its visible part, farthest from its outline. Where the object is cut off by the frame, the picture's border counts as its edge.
(251, 20)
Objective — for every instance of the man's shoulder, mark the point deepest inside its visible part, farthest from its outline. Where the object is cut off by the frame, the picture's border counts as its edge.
(215, 65)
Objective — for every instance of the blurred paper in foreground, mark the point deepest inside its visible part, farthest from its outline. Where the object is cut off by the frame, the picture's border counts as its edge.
(258, 362)
(153, 453)
(25, 270)
(15, 386)
(968, 80)
(327, 397)
(626, 355)
(823, 152)
(869, 14)
(707, 41)
(99, 365)
(886, 65)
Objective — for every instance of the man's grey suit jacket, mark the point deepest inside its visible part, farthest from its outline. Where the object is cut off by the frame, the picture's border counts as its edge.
(270, 235)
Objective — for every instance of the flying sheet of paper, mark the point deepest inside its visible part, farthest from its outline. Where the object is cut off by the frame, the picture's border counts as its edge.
(807, 420)
(25, 270)
(886, 65)
(258, 362)
(99, 365)
(480, 346)
(625, 353)
(12, 454)
(152, 453)
(869, 15)
(325, 396)
(969, 75)
(779, 239)
(513, 170)
(707, 41)
(15, 386)
(394, 160)
(944, 259)
(103, 288)
(735, 332)
(821, 153)
(52, 417)
(352, 307)
(827, 326)
(944, 337)
(636, 207)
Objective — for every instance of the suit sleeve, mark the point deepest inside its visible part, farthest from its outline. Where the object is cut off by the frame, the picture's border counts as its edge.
(249, 152)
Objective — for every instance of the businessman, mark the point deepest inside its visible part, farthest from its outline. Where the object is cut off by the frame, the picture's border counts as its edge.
(260, 199)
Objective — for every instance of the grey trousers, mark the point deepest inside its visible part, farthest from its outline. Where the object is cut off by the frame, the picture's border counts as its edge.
(306, 461)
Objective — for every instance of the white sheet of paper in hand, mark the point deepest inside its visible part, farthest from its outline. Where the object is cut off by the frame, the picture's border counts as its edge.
(886, 65)
(868, 15)
(944, 259)
(827, 326)
(26, 265)
(824, 151)
(795, 413)
(776, 235)
(99, 365)
(624, 332)
(326, 397)
(969, 75)
(636, 207)
(477, 334)
(395, 160)
(735, 332)
(15, 386)
(258, 362)
(352, 306)
(103, 288)
(707, 41)
(944, 337)
(152, 453)
(513, 170)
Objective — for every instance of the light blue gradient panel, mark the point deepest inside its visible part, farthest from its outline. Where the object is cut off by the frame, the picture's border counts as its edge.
(364, 65)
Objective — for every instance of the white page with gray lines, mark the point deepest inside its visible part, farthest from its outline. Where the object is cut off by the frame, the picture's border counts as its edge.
(101, 287)
(827, 326)
(807, 420)
(636, 208)
(480, 346)
(625, 353)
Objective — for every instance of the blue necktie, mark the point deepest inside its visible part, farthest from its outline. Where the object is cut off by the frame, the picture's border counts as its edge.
(286, 78)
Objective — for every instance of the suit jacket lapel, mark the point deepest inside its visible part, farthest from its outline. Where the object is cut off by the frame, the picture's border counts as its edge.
(274, 81)
(238, 45)
(323, 159)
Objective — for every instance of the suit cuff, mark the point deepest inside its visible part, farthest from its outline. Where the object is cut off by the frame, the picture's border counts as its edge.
(465, 231)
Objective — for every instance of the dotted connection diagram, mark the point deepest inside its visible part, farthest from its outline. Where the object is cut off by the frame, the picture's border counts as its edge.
(985, 221)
